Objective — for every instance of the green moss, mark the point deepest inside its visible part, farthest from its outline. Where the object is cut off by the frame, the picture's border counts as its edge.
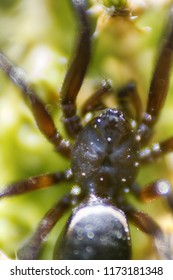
(116, 3)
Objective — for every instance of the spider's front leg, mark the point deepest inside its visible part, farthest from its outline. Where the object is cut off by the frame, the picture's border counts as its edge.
(70, 88)
(128, 95)
(76, 72)
(159, 84)
(94, 102)
(43, 119)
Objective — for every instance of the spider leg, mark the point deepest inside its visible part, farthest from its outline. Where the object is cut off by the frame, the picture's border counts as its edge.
(36, 183)
(159, 84)
(32, 247)
(163, 242)
(129, 95)
(154, 190)
(76, 72)
(94, 102)
(42, 117)
(126, 95)
(157, 150)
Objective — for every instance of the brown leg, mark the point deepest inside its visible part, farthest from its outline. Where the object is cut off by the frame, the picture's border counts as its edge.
(35, 183)
(159, 84)
(154, 190)
(42, 117)
(76, 72)
(149, 226)
(32, 247)
(157, 150)
(94, 103)
(126, 95)
(129, 95)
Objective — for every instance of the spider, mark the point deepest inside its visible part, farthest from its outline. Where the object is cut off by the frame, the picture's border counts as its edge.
(105, 159)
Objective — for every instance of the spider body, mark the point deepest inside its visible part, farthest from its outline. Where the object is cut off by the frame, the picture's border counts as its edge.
(99, 147)
(84, 236)
(105, 159)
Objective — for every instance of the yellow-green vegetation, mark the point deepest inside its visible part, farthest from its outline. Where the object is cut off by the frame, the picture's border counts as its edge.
(40, 36)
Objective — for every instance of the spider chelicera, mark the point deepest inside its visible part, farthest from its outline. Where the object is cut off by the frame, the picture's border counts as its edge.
(105, 159)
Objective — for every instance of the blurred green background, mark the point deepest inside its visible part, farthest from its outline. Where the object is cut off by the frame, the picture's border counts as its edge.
(40, 36)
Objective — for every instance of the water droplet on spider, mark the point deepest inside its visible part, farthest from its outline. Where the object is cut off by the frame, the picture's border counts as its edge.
(156, 147)
(89, 249)
(133, 124)
(32, 181)
(163, 187)
(76, 252)
(123, 179)
(148, 117)
(80, 234)
(138, 138)
(109, 139)
(79, 237)
(87, 117)
(145, 152)
(49, 108)
(119, 235)
(88, 227)
(103, 240)
(44, 238)
(90, 235)
(98, 120)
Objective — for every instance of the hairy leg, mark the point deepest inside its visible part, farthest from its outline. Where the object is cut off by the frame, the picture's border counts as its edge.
(159, 84)
(42, 117)
(157, 150)
(36, 183)
(128, 95)
(30, 250)
(163, 242)
(76, 72)
(94, 102)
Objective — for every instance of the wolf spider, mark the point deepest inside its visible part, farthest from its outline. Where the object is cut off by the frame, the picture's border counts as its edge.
(105, 159)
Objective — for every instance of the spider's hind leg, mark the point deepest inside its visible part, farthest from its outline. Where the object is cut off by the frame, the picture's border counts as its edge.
(163, 242)
(31, 249)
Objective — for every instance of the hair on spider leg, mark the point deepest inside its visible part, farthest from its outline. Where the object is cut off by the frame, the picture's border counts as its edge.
(105, 160)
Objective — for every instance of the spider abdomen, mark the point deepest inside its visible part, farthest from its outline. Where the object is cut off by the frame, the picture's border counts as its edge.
(95, 231)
